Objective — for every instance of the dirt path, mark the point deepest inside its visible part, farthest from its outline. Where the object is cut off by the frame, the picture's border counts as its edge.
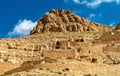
(6, 67)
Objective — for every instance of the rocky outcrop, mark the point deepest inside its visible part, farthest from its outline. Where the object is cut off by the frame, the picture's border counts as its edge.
(118, 27)
(72, 51)
(63, 21)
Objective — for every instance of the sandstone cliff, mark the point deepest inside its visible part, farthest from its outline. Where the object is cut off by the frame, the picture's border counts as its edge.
(63, 21)
(77, 52)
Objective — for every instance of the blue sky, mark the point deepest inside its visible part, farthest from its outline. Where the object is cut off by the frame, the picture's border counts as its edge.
(18, 17)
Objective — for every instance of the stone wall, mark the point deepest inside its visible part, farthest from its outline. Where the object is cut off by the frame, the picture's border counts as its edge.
(54, 54)
(15, 56)
(110, 37)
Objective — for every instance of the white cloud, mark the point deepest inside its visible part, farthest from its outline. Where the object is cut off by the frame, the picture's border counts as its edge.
(76, 1)
(22, 28)
(79, 2)
(118, 1)
(94, 17)
(111, 24)
(90, 16)
(95, 3)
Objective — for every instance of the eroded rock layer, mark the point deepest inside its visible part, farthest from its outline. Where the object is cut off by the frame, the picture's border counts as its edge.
(63, 21)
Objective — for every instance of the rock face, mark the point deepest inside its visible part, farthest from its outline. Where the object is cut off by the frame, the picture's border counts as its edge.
(37, 47)
(74, 50)
(111, 37)
(73, 53)
(118, 26)
(63, 21)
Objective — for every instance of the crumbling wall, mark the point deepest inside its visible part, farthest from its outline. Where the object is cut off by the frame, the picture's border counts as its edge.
(54, 54)
(110, 37)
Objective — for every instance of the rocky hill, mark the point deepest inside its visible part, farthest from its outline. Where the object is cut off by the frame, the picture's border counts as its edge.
(63, 21)
(62, 44)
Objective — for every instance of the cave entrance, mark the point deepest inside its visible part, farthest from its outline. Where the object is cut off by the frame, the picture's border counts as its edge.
(94, 60)
(57, 45)
(79, 40)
